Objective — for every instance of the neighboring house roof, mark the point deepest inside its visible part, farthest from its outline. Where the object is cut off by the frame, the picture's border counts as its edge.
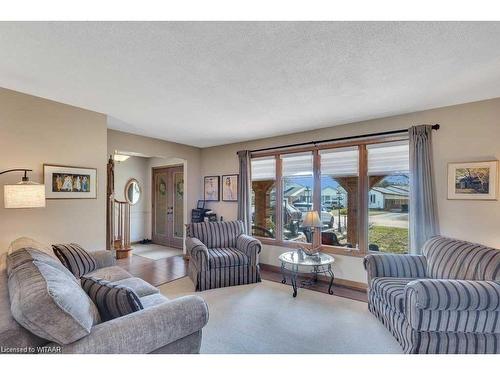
(400, 187)
(332, 191)
(401, 191)
(294, 190)
(329, 191)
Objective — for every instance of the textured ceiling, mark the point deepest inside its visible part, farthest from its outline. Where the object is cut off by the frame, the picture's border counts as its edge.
(211, 83)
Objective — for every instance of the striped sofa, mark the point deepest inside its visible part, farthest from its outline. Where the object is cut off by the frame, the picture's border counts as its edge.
(221, 255)
(444, 301)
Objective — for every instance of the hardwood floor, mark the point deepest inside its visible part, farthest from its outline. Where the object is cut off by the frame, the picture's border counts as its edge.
(157, 272)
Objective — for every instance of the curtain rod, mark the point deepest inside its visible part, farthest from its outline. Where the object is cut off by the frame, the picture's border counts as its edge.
(391, 132)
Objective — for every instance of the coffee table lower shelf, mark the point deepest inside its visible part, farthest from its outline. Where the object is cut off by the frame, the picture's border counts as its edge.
(293, 272)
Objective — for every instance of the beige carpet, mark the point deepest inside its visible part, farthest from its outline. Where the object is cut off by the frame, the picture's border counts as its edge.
(155, 252)
(265, 318)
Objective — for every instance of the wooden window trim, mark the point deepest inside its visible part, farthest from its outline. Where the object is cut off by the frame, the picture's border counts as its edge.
(317, 191)
(339, 250)
(363, 199)
(279, 198)
(363, 191)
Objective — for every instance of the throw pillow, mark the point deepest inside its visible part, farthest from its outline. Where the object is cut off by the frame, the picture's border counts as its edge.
(21, 256)
(112, 300)
(49, 303)
(24, 242)
(75, 258)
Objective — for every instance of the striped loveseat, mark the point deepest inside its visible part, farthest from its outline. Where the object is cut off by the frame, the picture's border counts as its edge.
(444, 301)
(221, 255)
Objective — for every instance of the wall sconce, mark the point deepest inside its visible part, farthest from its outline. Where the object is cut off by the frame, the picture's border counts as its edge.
(24, 194)
(120, 157)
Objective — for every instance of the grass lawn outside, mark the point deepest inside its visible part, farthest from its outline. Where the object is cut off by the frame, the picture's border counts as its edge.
(376, 212)
(389, 239)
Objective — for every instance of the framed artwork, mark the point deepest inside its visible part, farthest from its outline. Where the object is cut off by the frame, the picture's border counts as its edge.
(64, 182)
(473, 180)
(230, 188)
(211, 188)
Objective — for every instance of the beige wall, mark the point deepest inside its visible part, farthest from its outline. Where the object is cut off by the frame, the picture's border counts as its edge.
(34, 131)
(468, 132)
(163, 153)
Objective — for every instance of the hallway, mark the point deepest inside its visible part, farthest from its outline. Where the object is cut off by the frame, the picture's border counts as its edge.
(155, 252)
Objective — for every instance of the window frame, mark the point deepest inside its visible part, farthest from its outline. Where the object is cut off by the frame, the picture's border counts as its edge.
(363, 191)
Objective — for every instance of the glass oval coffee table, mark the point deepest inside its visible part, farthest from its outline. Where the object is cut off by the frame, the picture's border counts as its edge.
(293, 262)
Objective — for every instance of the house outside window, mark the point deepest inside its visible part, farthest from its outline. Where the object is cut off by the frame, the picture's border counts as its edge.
(389, 179)
(361, 192)
(339, 171)
(263, 209)
(298, 185)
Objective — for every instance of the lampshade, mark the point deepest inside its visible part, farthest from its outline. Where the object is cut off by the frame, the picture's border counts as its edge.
(312, 220)
(25, 194)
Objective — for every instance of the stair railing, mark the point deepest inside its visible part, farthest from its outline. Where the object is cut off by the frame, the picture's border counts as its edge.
(121, 232)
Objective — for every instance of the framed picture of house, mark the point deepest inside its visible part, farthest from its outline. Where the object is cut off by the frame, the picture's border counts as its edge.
(211, 188)
(65, 182)
(230, 188)
(473, 180)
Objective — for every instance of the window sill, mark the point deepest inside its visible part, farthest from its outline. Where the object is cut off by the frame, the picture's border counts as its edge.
(357, 253)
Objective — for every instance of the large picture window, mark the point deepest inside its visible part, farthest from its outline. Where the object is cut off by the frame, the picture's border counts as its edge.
(339, 186)
(298, 185)
(388, 204)
(264, 197)
(361, 192)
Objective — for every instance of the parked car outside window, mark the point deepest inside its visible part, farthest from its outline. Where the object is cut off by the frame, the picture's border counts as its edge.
(326, 217)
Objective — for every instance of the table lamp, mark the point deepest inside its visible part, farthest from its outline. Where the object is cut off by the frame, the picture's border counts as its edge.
(24, 194)
(312, 221)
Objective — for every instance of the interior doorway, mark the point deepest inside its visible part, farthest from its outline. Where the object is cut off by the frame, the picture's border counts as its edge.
(168, 206)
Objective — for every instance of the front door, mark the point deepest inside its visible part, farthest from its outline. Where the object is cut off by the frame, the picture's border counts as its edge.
(168, 206)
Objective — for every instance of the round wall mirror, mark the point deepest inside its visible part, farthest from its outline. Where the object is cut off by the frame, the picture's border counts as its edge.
(132, 191)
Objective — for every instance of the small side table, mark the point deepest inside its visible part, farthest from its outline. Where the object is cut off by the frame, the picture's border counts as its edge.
(321, 263)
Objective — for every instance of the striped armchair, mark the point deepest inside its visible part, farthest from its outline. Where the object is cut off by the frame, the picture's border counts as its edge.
(444, 301)
(221, 255)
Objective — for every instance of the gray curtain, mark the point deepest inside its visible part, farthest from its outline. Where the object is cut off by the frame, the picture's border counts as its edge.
(244, 191)
(423, 206)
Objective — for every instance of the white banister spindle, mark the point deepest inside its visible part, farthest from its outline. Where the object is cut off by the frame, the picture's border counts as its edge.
(121, 239)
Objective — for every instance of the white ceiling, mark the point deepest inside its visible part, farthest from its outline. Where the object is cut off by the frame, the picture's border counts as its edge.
(212, 83)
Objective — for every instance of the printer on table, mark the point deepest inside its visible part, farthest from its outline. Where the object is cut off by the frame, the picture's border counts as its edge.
(200, 213)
